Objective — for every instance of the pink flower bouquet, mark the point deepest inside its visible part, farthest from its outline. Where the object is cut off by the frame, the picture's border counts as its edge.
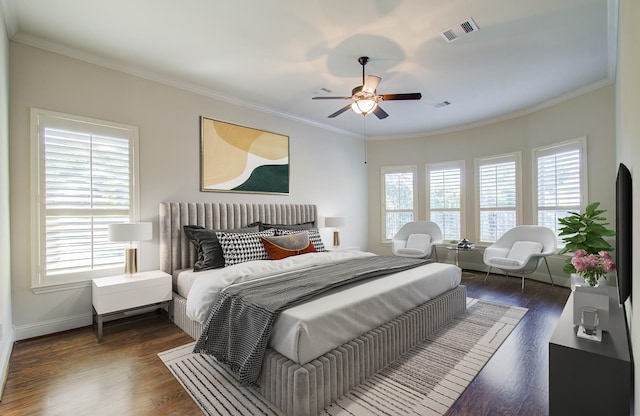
(592, 266)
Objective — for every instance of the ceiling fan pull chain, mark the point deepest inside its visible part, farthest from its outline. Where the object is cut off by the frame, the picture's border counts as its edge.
(364, 129)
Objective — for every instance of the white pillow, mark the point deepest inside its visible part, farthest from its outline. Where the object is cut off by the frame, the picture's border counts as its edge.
(420, 241)
(523, 249)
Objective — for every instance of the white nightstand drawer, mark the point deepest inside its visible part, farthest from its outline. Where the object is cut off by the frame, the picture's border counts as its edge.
(116, 293)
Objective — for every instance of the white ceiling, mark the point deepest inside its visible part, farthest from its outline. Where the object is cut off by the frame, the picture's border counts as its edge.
(274, 54)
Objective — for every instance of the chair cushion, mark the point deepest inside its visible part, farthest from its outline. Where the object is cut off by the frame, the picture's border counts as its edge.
(520, 250)
(419, 241)
(503, 261)
(411, 252)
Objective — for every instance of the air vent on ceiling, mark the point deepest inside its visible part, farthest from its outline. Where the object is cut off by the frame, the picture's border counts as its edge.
(460, 30)
(322, 91)
(442, 104)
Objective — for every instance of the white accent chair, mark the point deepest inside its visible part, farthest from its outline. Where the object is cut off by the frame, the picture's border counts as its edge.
(521, 250)
(416, 239)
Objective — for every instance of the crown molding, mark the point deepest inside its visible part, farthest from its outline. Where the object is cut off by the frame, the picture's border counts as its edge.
(144, 73)
(509, 116)
(12, 29)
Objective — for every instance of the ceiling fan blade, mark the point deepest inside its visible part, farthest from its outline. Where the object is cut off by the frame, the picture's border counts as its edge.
(330, 98)
(380, 113)
(371, 84)
(409, 96)
(342, 110)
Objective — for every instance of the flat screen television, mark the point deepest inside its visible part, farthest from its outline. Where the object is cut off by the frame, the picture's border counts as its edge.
(624, 229)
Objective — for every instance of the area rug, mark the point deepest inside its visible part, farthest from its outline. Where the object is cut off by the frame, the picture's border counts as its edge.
(425, 381)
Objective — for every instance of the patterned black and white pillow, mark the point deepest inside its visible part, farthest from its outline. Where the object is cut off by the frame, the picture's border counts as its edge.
(239, 248)
(314, 237)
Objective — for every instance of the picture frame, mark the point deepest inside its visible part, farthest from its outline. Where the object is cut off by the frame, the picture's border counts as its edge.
(236, 158)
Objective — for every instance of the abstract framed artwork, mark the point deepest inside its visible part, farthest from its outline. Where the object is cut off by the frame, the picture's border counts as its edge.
(234, 158)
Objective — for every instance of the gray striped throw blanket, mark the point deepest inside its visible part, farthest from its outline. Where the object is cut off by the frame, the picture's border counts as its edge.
(239, 325)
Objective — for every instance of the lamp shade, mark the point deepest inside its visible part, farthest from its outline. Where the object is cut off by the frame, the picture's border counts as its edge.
(130, 231)
(364, 106)
(335, 222)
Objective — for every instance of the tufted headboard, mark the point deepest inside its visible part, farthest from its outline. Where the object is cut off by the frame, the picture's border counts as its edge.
(176, 252)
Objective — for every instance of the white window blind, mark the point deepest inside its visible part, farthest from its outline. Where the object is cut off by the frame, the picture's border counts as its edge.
(560, 181)
(444, 190)
(497, 196)
(398, 190)
(85, 181)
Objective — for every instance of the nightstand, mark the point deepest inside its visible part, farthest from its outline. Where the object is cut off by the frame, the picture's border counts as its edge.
(115, 295)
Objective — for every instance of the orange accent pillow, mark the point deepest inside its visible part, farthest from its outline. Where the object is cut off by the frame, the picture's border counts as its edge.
(276, 252)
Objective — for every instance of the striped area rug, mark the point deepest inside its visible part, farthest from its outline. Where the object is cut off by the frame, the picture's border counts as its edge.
(425, 381)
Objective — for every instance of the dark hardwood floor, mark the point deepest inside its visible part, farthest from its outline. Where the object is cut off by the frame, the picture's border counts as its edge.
(71, 374)
(516, 379)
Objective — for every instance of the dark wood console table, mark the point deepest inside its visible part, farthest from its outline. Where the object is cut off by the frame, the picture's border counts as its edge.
(588, 377)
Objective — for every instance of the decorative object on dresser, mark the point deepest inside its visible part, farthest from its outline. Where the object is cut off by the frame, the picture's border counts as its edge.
(131, 232)
(335, 223)
(234, 158)
(113, 296)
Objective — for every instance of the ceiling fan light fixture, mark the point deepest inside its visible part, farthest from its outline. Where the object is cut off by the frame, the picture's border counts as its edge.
(364, 107)
(365, 99)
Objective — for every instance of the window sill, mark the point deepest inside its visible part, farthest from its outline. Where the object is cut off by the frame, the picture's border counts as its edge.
(60, 287)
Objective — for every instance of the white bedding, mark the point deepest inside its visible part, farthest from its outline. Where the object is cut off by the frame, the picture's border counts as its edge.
(313, 328)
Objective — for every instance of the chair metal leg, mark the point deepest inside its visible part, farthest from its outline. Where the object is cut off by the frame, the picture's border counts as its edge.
(549, 271)
(435, 249)
(522, 288)
(485, 278)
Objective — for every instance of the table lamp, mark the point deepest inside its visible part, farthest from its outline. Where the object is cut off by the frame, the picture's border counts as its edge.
(335, 222)
(131, 232)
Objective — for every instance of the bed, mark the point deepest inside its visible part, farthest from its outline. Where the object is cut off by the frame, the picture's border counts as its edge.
(298, 379)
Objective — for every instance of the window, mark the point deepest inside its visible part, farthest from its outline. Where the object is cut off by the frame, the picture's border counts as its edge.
(560, 175)
(444, 197)
(498, 195)
(84, 173)
(398, 190)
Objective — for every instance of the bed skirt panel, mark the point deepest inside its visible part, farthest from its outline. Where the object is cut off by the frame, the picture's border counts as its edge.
(193, 328)
(303, 390)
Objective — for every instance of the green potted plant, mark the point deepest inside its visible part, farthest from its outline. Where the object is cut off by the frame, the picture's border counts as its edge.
(584, 234)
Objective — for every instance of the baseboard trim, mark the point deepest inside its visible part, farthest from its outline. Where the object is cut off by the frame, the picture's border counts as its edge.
(6, 348)
(66, 323)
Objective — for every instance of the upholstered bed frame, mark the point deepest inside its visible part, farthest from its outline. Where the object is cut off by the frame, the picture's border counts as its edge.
(294, 388)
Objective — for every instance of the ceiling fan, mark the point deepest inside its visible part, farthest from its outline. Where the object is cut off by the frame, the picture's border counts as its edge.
(365, 99)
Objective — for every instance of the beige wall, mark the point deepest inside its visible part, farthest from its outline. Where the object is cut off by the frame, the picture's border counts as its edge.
(628, 139)
(326, 168)
(6, 327)
(591, 115)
